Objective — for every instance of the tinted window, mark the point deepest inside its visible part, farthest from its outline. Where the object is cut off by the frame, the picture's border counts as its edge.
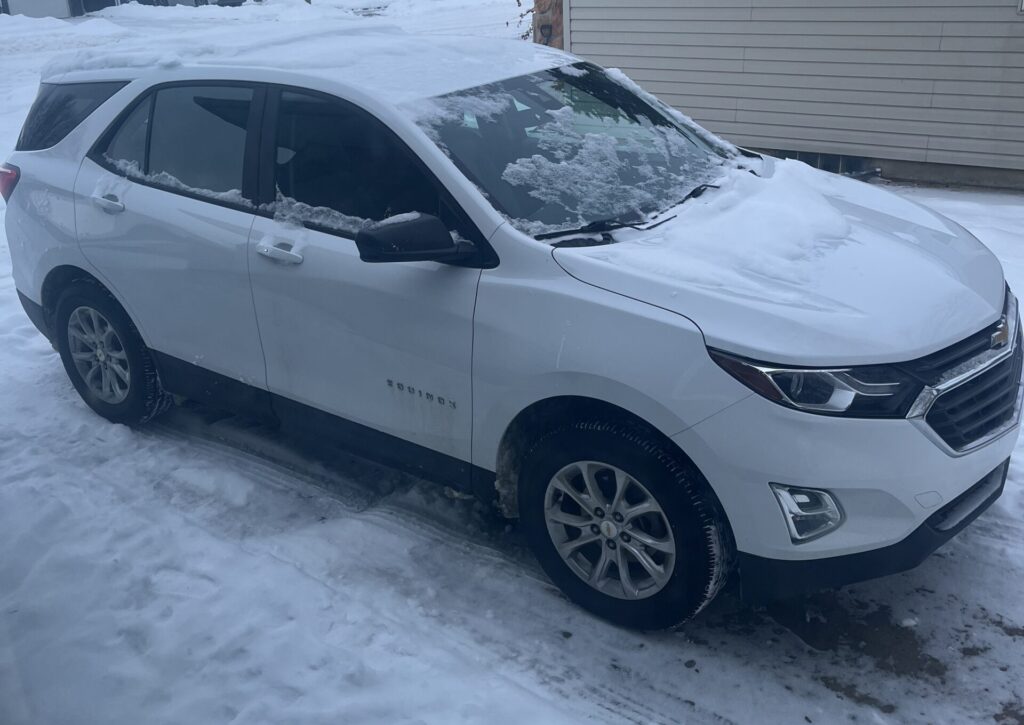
(59, 109)
(189, 139)
(338, 168)
(198, 137)
(128, 144)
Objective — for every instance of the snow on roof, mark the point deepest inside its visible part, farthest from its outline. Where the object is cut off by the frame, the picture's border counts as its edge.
(383, 60)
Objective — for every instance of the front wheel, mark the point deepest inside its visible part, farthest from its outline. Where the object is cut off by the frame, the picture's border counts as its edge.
(624, 525)
(105, 357)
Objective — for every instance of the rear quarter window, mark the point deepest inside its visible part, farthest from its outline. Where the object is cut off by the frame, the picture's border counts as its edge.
(59, 109)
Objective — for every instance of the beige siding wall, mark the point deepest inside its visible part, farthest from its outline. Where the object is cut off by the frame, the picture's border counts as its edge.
(916, 80)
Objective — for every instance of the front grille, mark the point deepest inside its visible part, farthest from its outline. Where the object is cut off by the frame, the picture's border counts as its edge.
(931, 369)
(979, 406)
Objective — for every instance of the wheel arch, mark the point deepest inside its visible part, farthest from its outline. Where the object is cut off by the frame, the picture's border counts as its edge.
(59, 279)
(546, 414)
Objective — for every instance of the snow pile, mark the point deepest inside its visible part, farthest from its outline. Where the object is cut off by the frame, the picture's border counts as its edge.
(367, 53)
(47, 34)
(11, 24)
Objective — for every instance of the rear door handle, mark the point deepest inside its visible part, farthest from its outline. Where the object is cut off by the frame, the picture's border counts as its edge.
(109, 203)
(279, 254)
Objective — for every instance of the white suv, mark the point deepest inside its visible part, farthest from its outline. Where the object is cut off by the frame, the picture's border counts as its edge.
(498, 266)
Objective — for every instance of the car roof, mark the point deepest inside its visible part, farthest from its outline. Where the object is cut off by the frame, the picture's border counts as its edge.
(385, 62)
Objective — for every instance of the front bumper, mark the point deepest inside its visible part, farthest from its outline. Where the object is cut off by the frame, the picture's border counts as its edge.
(889, 476)
(763, 579)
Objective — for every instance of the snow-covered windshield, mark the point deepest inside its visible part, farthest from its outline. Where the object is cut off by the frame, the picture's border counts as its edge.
(567, 147)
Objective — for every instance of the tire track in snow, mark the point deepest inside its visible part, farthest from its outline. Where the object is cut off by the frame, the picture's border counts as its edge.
(521, 620)
(416, 510)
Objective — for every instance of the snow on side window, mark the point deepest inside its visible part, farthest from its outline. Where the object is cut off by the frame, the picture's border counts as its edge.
(131, 170)
(340, 170)
(287, 210)
(186, 139)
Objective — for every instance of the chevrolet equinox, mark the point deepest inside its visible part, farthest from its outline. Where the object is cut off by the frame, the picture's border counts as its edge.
(498, 266)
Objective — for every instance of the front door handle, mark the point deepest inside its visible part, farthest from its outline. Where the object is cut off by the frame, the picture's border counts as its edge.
(109, 203)
(279, 254)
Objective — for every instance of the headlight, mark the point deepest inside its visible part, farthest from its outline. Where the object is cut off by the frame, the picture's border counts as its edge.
(874, 391)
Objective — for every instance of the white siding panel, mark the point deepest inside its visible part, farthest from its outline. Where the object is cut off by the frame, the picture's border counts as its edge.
(918, 80)
(883, 42)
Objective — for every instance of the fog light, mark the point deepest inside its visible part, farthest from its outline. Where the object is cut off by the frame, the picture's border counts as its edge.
(809, 513)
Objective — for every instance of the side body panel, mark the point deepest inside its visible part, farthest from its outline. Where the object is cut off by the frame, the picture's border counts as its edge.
(40, 219)
(180, 267)
(387, 346)
(541, 334)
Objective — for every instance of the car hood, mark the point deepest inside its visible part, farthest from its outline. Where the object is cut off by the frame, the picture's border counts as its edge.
(799, 266)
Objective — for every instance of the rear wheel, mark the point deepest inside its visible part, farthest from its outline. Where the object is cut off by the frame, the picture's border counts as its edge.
(624, 525)
(105, 357)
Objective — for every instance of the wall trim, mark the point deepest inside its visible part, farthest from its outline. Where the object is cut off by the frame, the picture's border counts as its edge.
(566, 23)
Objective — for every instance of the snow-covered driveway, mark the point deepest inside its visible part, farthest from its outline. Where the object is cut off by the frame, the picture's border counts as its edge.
(201, 571)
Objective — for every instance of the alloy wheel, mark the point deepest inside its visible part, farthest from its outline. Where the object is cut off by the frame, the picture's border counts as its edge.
(99, 355)
(610, 530)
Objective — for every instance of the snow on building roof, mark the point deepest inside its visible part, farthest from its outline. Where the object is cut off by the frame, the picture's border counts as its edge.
(383, 60)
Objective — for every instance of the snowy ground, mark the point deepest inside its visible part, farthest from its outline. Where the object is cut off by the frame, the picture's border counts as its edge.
(202, 572)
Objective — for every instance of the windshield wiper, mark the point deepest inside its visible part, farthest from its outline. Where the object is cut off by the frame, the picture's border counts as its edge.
(602, 226)
(597, 227)
(584, 242)
(697, 191)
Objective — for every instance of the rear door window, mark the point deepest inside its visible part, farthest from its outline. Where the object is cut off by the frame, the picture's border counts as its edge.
(59, 109)
(189, 139)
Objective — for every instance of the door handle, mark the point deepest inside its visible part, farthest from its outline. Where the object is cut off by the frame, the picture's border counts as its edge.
(279, 254)
(109, 203)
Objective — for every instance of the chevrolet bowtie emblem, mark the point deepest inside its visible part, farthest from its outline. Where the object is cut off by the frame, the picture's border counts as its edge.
(1001, 337)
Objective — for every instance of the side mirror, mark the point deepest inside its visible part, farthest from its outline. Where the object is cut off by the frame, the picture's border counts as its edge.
(411, 238)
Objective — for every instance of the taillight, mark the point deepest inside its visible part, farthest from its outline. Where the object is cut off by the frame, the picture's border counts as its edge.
(9, 176)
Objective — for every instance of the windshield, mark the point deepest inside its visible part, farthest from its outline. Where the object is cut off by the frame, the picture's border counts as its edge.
(568, 147)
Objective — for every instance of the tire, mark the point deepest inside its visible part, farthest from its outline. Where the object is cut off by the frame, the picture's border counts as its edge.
(690, 521)
(139, 396)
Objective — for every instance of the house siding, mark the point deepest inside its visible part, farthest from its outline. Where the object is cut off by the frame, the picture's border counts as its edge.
(938, 81)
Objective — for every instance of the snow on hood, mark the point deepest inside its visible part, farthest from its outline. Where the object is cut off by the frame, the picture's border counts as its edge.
(803, 267)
